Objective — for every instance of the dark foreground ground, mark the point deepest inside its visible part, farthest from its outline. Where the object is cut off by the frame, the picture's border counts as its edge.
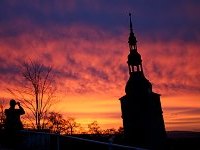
(177, 140)
(184, 140)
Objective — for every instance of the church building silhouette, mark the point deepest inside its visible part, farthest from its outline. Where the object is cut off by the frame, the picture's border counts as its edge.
(141, 107)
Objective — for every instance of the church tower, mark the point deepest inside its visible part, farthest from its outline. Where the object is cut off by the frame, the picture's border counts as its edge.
(141, 108)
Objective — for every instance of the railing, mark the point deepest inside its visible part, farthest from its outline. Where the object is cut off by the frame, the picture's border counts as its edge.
(48, 141)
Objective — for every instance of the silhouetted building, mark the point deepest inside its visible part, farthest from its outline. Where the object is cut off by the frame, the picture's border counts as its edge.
(141, 108)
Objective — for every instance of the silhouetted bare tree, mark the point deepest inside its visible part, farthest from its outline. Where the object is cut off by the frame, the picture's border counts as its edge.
(56, 122)
(2, 114)
(109, 131)
(38, 91)
(120, 130)
(71, 125)
(94, 128)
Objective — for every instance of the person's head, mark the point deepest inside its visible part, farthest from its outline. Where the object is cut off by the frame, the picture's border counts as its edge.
(12, 103)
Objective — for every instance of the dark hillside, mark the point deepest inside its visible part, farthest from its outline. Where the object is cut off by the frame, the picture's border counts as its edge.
(184, 140)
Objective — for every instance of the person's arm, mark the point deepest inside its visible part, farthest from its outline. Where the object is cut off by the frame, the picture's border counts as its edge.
(21, 109)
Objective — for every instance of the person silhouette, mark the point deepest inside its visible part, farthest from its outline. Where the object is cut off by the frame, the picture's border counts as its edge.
(13, 121)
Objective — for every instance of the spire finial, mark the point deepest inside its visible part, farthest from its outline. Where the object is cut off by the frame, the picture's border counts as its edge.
(132, 39)
(131, 27)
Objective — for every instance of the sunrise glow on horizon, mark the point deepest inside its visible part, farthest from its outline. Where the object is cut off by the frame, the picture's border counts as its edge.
(86, 43)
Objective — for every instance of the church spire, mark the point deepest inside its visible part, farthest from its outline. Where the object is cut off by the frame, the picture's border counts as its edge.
(131, 26)
(132, 39)
(134, 58)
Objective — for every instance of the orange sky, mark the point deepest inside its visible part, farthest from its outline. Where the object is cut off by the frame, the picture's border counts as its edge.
(88, 54)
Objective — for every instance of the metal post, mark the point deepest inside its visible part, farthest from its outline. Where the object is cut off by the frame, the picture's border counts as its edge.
(110, 142)
(58, 143)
